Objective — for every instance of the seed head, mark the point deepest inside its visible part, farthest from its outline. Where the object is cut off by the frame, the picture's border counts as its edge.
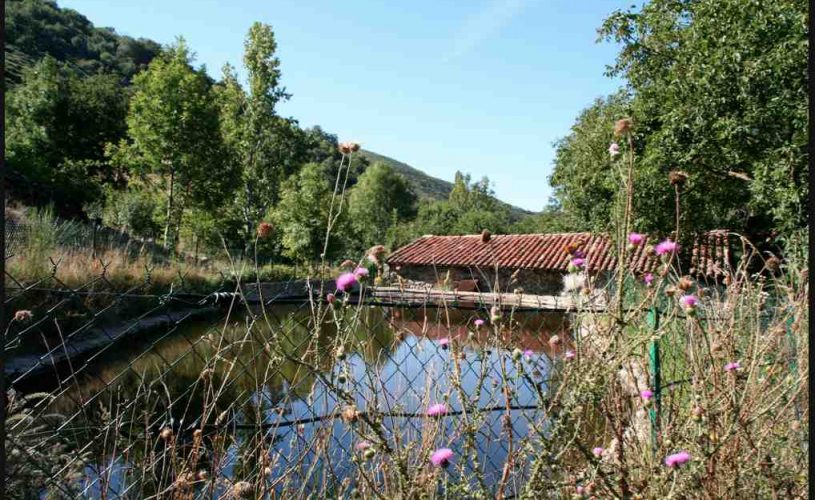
(622, 127)
(350, 414)
(264, 230)
(485, 236)
(677, 178)
(684, 284)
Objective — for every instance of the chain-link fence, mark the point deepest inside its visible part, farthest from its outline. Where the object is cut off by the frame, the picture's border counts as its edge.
(156, 386)
(73, 235)
(133, 393)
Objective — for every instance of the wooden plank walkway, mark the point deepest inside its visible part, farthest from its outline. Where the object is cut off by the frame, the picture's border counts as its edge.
(301, 292)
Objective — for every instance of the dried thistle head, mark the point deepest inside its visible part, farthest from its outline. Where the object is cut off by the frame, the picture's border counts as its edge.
(622, 126)
(685, 283)
(264, 230)
(242, 489)
(348, 264)
(571, 247)
(486, 236)
(773, 263)
(350, 414)
(375, 253)
(677, 178)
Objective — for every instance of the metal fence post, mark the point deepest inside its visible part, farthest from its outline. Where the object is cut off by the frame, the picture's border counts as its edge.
(656, 376)
(93, 239)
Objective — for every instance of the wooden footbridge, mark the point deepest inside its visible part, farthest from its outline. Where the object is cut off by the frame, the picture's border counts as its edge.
(388, 296)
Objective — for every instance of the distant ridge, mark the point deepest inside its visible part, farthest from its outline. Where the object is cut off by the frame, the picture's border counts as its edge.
(428, 187)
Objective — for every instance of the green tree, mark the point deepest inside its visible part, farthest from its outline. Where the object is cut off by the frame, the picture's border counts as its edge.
(175, 137)
(720, 92)
(301, 216)
(381, 198)
(553, 219)
(57, 125)
(264, 146)
(585, 179)
(322, 148)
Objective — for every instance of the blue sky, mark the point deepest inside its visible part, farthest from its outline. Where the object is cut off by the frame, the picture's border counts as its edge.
(482, 86)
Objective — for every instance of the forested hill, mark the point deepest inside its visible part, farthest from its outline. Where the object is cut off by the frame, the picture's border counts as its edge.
(36, 28)
(426, 186)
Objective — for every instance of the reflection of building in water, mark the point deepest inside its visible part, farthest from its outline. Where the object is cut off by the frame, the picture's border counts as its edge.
(528, 330)
(537, 262)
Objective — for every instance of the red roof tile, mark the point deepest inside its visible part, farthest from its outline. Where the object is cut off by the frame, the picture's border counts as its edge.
(546, 252)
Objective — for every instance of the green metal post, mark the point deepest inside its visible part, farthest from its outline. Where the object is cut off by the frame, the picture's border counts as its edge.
(656, 377)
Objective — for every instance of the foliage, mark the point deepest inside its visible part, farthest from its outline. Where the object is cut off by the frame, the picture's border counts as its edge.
(57, 125)
(264, 147)
(380, 199)
(175, 138)
(323, 148)
(584, 178)
(718, 90)
(303, 212)
(553, 219)
(36, 28)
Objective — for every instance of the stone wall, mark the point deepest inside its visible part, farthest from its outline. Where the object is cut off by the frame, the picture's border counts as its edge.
(531, 281)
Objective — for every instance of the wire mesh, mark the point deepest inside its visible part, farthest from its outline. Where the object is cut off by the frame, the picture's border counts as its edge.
(129, 393)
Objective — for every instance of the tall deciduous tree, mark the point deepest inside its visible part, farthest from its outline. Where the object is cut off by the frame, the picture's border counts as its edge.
(265, 147)
(174, 129)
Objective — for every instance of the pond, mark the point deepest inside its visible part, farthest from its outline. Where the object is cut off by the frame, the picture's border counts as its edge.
(267, 394)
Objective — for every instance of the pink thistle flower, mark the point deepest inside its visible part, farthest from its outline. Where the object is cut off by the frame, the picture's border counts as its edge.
(578, 254)
(362, 446)
(441, 457)
(444, 343)
(636, 239)
(580, 490)
(646, 394)
(598, 451)
(346, 281)
(732, 366)
(437, 410)
(666, 247)
(578, 262)
(528, 353)
(569, 355)
(361, 273)
(478, 323)
(677, 459)
(689, 301)
(648, 279)
(614, 149)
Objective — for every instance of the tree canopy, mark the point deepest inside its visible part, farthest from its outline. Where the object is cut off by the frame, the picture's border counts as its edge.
(716, 89)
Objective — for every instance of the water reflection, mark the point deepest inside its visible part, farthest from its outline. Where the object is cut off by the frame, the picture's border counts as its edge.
(226, 376)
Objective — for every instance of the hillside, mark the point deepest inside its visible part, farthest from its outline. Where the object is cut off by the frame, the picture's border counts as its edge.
(36, 28)
(428, 187)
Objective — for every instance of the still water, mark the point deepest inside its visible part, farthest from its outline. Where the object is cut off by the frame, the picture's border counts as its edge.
(222, 373)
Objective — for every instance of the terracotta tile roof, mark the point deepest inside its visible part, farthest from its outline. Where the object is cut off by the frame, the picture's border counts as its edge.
(546, 252)
(711, 254)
